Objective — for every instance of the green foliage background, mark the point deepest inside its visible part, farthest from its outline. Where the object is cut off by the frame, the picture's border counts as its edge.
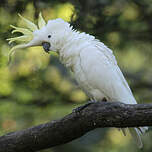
(36, 88)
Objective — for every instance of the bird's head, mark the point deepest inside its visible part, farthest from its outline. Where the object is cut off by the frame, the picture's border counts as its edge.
(49, 35)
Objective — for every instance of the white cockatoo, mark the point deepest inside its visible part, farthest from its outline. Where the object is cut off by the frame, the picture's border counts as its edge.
(93, 63)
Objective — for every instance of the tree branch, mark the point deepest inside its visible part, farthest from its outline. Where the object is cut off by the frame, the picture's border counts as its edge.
(74, 125)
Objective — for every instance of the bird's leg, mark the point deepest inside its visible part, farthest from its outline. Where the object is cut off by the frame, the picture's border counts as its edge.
(78, 109)
(104, 99)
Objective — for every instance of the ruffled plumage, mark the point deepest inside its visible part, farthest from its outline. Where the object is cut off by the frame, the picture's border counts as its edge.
(27, 33)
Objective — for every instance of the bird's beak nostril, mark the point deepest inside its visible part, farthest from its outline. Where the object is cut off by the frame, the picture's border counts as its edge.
(46, 46)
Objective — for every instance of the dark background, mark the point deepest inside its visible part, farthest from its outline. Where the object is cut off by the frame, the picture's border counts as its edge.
(36, 88)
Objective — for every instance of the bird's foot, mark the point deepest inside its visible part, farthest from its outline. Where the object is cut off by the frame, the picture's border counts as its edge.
(78, 109)
(104, 99)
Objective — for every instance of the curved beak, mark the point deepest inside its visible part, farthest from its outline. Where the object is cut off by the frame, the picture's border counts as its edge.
(46, 46)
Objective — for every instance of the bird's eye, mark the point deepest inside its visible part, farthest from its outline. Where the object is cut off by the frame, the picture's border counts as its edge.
(49, 36)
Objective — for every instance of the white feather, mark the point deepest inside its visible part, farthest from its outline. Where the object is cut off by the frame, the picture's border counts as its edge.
(96, 70)
(93, 64)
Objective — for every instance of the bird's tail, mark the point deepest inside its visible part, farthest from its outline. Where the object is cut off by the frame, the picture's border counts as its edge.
(136, 134)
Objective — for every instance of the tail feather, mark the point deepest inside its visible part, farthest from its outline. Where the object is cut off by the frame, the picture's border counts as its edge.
(143, 129)
(123, 131)
(136, 134)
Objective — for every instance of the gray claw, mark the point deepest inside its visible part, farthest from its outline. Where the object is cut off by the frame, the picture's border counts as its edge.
(79, 109)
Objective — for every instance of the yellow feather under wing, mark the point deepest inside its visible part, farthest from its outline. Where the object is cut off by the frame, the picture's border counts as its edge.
(27, 33)
(23, 38)
(13, 50)
(21, 30)
(41, 21)
(29, 24)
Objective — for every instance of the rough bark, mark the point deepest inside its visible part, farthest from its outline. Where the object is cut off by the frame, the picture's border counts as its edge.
(74, 125)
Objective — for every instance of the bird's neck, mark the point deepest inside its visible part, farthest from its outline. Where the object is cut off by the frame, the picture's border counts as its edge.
(74, 42)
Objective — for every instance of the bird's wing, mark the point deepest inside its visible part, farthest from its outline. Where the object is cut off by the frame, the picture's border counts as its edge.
(109, 54)
(106, 51)
(100, 67)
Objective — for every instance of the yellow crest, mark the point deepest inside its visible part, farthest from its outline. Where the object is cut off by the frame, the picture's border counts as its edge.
(27, 33)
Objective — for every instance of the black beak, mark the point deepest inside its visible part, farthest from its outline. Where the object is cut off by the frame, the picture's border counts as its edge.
(46, 46)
